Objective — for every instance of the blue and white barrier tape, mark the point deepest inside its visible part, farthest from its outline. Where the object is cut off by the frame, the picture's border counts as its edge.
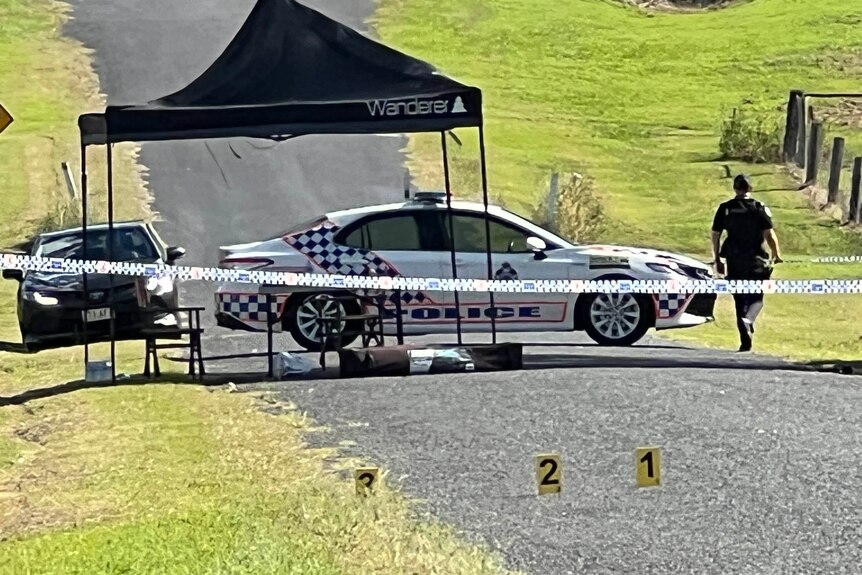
(385, 283)
(829, 260)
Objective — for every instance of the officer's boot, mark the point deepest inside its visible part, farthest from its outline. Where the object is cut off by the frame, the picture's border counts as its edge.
(752, 312)
(743, 325)
(745, 330)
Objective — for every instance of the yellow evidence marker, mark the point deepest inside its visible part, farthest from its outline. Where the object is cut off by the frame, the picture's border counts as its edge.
(366, 479)
(648, 466)
(549, 473)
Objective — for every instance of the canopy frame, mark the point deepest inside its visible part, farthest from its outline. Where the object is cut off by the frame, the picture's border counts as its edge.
(459, 106)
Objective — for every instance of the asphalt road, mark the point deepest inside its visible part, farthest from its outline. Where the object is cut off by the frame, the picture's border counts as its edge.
(761, 461)
(760, 470)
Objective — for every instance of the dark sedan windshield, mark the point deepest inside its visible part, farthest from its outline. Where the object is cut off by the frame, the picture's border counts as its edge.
(130, 244)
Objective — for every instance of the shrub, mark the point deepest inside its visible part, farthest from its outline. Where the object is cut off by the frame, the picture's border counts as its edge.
(751, 134)
(577, 212)
(61, 215)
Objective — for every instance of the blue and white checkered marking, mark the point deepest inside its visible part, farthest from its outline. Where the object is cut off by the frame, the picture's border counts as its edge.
(670, 304)
(248, 307)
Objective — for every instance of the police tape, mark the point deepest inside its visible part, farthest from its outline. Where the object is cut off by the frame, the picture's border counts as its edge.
(412, 284)
(827, 260)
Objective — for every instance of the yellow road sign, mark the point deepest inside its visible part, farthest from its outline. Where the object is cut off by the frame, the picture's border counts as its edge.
(5, 118)
(648, 466)
(366, 479)
(549, 473)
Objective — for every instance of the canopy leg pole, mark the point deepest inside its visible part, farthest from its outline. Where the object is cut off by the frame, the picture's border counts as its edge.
(111, 240)
(451, 230)
(84, 209)
(487, 231)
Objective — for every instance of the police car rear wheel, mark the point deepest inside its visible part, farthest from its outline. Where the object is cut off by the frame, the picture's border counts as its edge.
(616, 319)
(304, 311)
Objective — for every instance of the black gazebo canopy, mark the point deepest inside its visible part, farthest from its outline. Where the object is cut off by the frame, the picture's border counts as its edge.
(292, 71)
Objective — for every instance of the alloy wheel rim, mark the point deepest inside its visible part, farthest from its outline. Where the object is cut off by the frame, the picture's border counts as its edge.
(315, 308)
(615, 316)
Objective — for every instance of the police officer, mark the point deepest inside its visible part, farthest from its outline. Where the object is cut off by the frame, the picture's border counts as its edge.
(748, 224)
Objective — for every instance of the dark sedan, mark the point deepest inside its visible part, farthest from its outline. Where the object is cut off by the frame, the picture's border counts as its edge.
(53, 308)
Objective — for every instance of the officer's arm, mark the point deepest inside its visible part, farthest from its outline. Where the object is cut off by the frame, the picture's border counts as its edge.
(717, 229)
(716, 244)
(772, 239)
(770, 236)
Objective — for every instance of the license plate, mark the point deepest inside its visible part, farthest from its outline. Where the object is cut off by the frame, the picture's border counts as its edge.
(99, 314)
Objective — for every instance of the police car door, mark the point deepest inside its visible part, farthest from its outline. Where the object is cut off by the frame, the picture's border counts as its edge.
(402, 242)
(511, 258)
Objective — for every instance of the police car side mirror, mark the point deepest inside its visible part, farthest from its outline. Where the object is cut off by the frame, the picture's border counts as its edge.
(174, 253)
(538, 246)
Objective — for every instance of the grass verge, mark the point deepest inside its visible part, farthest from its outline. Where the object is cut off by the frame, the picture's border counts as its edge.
(180, 479)
(167, 478)
(635, 100)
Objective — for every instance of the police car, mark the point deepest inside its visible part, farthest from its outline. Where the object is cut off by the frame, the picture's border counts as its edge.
(412, 239)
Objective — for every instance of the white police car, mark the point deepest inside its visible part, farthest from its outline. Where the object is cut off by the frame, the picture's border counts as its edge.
(411, 239)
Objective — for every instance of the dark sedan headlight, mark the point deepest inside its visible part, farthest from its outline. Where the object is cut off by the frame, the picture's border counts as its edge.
(40, 298)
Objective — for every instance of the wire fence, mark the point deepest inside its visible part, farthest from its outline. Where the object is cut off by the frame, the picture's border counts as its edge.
(823, 139)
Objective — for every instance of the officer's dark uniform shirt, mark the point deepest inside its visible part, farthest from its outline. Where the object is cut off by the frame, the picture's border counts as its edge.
(745, 220)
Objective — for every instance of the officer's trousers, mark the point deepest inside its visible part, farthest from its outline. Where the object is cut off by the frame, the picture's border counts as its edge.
(748, 305)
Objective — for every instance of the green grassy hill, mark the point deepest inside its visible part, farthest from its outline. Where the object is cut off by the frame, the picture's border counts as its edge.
(635, 100)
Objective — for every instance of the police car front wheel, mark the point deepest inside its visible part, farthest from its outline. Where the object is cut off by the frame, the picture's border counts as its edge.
(616, 319)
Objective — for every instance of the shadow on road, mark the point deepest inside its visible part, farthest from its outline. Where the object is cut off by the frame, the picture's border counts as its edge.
(846, 367)
(13, 347)
(77, 385)
(532, 361)
(167, 378)
(563, 361)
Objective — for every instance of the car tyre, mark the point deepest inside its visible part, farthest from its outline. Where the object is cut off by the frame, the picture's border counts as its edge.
(300, 316)
(620, 319)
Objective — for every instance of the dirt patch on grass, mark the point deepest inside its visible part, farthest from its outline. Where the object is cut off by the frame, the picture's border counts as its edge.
(846, 113)
(680, 5)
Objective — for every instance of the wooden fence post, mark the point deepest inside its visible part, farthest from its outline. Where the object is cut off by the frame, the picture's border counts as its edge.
(835, 170)
(801, 131)
(815, 145)
(854, 190)
(791, 127)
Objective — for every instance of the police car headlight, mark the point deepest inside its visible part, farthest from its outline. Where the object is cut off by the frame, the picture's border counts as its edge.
(160, 286)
